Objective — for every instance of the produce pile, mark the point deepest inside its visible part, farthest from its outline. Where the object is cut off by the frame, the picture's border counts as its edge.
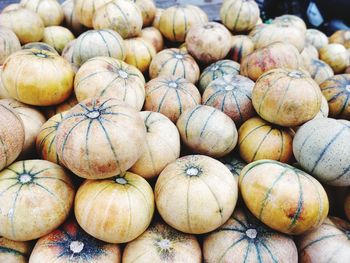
(135, 134)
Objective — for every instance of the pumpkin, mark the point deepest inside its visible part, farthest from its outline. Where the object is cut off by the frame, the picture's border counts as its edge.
(70, 243)
(67, 53)
(341, 37)
(347, 206)
(148, 10)
(106, 77)
(208, 42)
(49, 74)
(14, 251)
(234, 164)
(26, 24)
(45, 141)
(241, 46)
(161, 243)
(243, 236)
(319, 70)
(174, 62)
(88, 131)
(283, 197)
(175, 27)
(171, 96)
(32, 120)
(208, 131)
(154, 37)
(9, 43)
(232, 95)
(239, 15)
(286, 97)
(115, 222)
(336, 89)
(162, 145)
(336, 56)
(70, 18)
(66, 105)
(50, 11)
(122, 16)
(259, 140)
(95, 43)
(139, 53)
(291, 20)
(34, 183)
(58, 37)
(11, 135)
(321, 148)
(157, 16)
(195, 194)
(276, 55)
(328, 243)
(316, 38)
(85, 10)
(217, 70)
(40, 46)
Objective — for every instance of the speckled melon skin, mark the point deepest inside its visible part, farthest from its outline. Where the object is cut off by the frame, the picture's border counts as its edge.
(321, 146)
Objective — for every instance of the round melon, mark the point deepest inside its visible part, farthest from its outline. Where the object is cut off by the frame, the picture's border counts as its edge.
(286, 97)
(40, 46)
(70, 18)
(171, 96)
(243, 236)
(193, 200)
(67, 54)
(3, 92)
(70, 243)
(162, 145)
(11, 7)
(336, 56)
(157, 16)
(98, 128)
(174, 62)
(232, 95)
(319, 70)
(104, 77)
(308, 54)
(98, 213)
(85, 10)
(58, 37)
(50, 81)
(9, 43)
(321, 148)
(154, 37)
(161, 243)
(341, 37)
(282, 197)
(241, 46)
(208, 131)
(324, 111)
(148, 10)
(64, 106)
(35, 183)
(316, 38)
(291, 20)
(14, 251)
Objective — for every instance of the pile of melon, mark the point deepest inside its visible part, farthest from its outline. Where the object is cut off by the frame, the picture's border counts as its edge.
(135, 134)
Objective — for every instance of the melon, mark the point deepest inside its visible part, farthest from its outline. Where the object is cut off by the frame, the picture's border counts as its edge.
(34, 183)
(291, 20)
(154, 37)
(191, 199)
(336, 56)
(308, 54)
(174, 62)
(283, 197)
(3, 92)
(9, 43)
(321, 148)
(70, 18)
(148, 10)
(324, 111)
(85, 10)
(319, 70)
(58, 37)
(64, 106)
(67, 54)
(40, 46)
(157, 16)
(14, 251)
(102, 217)
(316, 38)
(341, 37)
(241, 46)
(11, 7)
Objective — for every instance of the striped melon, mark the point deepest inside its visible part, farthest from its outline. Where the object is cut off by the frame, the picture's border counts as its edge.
(40, 46)
(100, 128)
(122, 16)
(283, 197)
(341, 37)
(291, 20)
(64, 106)
(157, 16)
(241, 46)
(259, 140)
(329, 243)
(154, 37)
(171, 96)
(95, 43)
(106, 77)
(244, 237)
(319, 70)
(208, 131)
(14, 251)
(162, 145)
(161, 243)
(36, 197)
(58, 37)
(174, 62)
(316, 38)
(70, 243)
(67, 53)
(9, 43)
(85, 10)
(196, 194)
(239, 15)
(234, 164)
(202, 38)
(336, 56)
(45, 141)
(337, 92)
(217, 70)
(148, 10)
(11, 135)
(276, 55)
(321, 147)
(347, 206)
(286, 97)
(70, 18)
(232, 95)
(98, 213)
